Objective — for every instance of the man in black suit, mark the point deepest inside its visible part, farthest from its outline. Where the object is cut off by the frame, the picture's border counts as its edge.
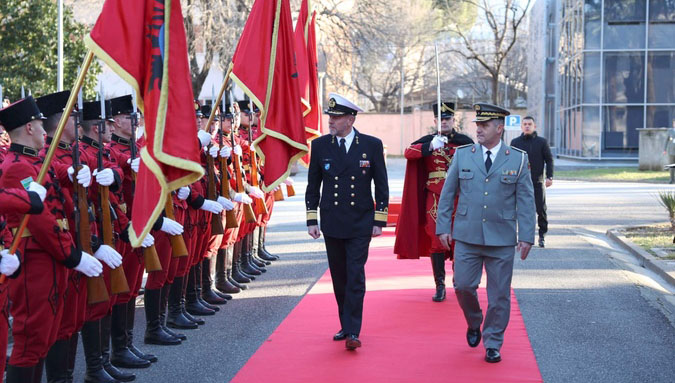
(346, 162)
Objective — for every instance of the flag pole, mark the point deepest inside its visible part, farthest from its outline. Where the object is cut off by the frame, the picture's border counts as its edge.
(52, 148)
(438, 91)
(220, 96)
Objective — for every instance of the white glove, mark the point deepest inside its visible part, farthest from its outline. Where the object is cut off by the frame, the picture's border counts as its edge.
(204, 137)
(39, 189)
(135, 163)
(256, 192)
(83, 176)
(226, 152)
(148, 241)
(212, 206)
(89, 266)
(139, 132)
(289, 181)
(171, 227)
(438, 142)
(227, 204)
(109, 256)
(213, 151)
(237, 150)
(183, 193)
(105, 177)
(243, 198)
(9, 263)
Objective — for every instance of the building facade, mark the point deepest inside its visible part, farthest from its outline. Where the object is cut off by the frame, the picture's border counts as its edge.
(609, 71)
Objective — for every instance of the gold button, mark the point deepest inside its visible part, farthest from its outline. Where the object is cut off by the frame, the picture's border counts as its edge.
(336, 203)
(486, 180)
(353, 178)
(352, 203)
(483, 218)
(336, 186)
(353, 194)
(336, 178)
(352, 186)
(484, 206)
(335, 195)
(485, 192)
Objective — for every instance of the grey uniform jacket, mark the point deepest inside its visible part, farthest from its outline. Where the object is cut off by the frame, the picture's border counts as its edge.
(490, 203)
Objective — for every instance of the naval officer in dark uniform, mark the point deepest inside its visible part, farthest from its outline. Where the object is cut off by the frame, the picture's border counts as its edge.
(347, 162)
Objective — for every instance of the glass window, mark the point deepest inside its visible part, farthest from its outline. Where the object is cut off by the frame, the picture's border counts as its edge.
(624, 77)
(592, 13)
(625, 24)
(591, 78)
(661, 23)
(661, 77)
(591, 131)
(621, 124)
(661, 116)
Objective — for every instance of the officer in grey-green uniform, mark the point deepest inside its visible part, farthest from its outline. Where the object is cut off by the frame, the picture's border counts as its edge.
(495, 196)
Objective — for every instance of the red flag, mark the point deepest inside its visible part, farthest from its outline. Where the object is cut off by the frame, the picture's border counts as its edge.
(308, 75)
(264, 66)
(143, 41)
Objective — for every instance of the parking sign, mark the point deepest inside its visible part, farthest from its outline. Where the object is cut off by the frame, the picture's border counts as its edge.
(512, 122)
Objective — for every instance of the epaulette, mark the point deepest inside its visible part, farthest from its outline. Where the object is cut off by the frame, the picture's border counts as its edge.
(520, 150)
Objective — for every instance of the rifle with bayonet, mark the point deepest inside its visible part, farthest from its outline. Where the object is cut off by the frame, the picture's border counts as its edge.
(260, 205)
(230, 216)
(249, 215)
(97, 291)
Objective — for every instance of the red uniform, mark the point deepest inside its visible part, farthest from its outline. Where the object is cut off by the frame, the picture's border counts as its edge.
(47, 252)
(425, 175)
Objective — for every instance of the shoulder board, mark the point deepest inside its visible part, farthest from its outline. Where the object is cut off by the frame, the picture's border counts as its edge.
(463, 146)
(517, 149)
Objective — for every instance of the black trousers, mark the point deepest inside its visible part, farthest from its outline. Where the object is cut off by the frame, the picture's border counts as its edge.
(540, 202)
(347, 259)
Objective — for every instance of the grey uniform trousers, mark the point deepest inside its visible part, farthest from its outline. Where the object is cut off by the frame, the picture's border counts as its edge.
(498, 261)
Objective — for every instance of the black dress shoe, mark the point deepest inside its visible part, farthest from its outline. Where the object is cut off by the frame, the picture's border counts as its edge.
(492, 355)
(340, 335)
(541, 241)
(353, 342)
(473, 337)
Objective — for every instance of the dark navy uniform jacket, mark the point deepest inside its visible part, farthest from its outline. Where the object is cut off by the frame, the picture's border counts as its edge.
(345, 201)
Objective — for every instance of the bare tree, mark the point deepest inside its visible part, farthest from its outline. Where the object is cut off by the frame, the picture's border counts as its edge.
(493, 37)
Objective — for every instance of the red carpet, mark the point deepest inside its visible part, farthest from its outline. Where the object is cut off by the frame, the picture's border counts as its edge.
(406, 337)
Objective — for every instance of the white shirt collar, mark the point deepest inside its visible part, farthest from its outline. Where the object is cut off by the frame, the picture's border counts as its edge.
(348, 138)
(493, 151)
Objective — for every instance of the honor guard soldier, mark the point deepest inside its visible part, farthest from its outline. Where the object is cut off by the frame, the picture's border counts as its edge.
(46, 247)
(428, 161)
(495, 196)
(342, 168)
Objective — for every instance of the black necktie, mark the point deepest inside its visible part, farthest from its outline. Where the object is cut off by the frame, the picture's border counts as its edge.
(488, 162)
(343, 147)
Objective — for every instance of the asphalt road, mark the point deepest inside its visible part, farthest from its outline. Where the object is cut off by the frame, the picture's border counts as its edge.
(591, 313)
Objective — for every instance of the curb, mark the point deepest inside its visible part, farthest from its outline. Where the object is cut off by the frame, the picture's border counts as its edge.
(647, 260)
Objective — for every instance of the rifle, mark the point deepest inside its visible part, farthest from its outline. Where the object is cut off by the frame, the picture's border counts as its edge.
(150, 255)
(177, 242)
(230, 216)
(260, 206)
(97, 291)
(249, 215)
(211, 193)
(118, 280)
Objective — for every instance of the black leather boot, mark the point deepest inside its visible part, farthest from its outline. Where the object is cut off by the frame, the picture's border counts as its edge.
(255, 246)
(223, 283)
(246, 265)
(262, 249)
(72, 356)
(56, 362)
(163, 303)
(20, 374)
(175, 317)
(438, 266)
(116, 373)
(189, 316)
(192, 304)
(198, 286)
(154, 333)
(91, 343)
(37, 375)
(131, 316)
(207, 293)
(121, 356)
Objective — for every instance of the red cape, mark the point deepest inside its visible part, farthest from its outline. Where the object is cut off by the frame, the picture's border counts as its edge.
(411, 237)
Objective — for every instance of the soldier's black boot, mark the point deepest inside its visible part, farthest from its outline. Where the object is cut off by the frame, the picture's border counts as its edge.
(223, 283)
(438, 266)
(121, 356)
(257, 234)
(72, 356)
(175, 317)
(20, 374)
(192, 304)
(262, 249)
(541, 240)
(246, 263)
(91, 344)
(154, 333)
(207, 293)
(56, 363)
(116, 373)
(189, 316)
(131, 316)
(252, 251)
(37, 375)
(198, 287)
(163, 303)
